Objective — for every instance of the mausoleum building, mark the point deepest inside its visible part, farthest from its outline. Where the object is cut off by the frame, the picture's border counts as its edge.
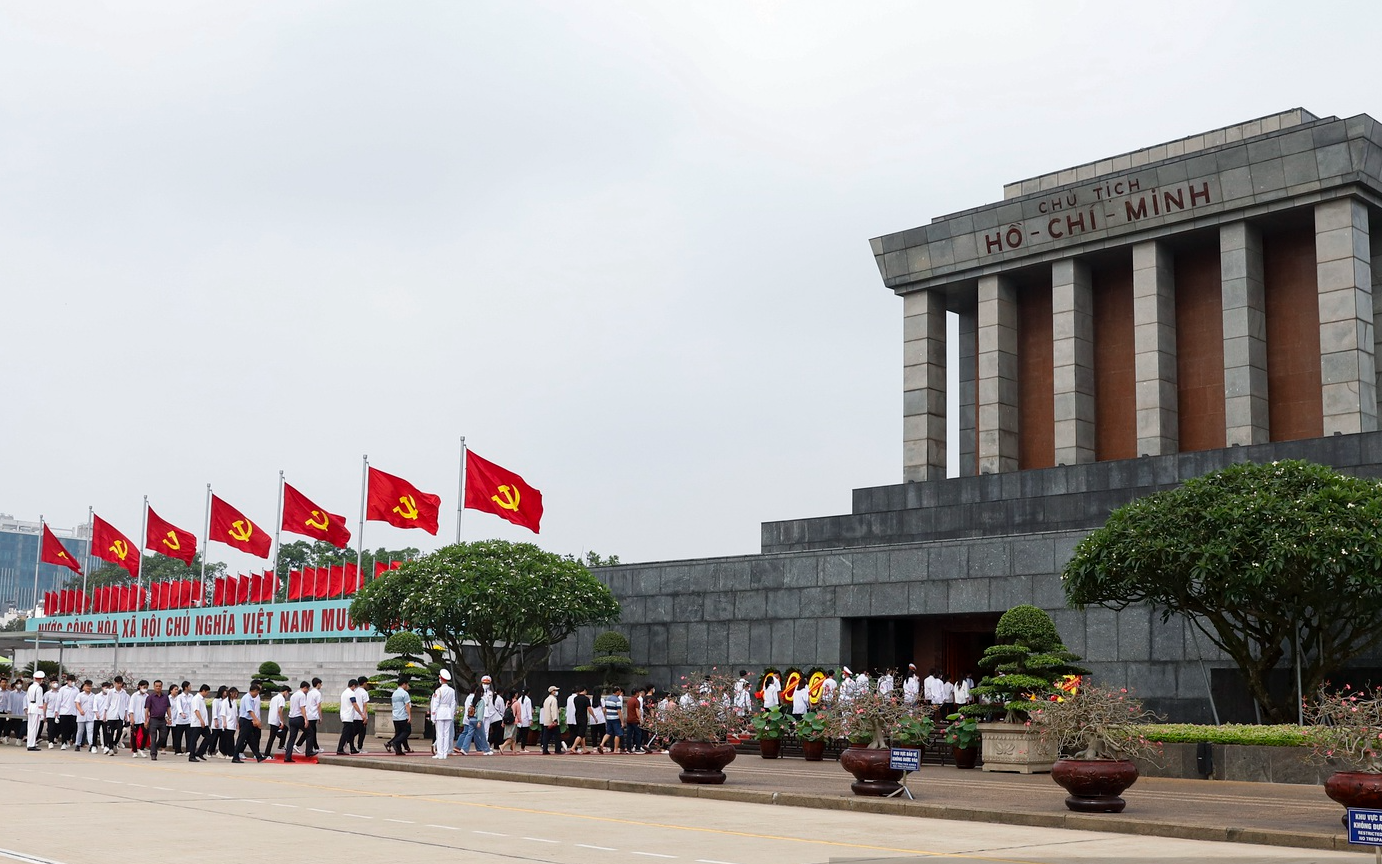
(1120, 326)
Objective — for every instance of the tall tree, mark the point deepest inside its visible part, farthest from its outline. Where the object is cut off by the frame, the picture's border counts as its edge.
(511, 601)
(1265, 560)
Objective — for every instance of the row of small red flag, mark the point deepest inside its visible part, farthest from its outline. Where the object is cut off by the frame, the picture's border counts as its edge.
(252, 588)
(488, 487)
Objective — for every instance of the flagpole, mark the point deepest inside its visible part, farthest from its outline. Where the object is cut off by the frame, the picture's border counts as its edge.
(86, 564)
(206, 541)
(143, 541)
(364, 496)
(460, 503)
(38, 560)
(278, 537)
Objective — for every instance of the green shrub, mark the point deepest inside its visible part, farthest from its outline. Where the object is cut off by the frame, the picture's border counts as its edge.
(612, 660)
(270, 676)
(1025, 664)
(1189, 733)
(414, 660)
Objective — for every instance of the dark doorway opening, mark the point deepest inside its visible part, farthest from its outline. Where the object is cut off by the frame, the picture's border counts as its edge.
(950, 643)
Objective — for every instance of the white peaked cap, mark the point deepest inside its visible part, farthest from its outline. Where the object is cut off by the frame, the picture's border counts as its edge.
(445, 675)
(39, 675)
(845, 669)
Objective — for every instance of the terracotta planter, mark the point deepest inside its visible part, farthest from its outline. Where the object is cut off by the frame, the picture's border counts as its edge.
(770, 748)
(813, 750)
(534, 737)
(701, 761)
(872, 776)
(1094, 784)
(1016, 748)
(1355, 789)
(965, 757)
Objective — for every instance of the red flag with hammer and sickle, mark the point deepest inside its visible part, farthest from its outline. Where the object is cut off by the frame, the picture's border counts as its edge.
(400, 503)
(301, 516)
(501, 492)
(110, 545)
(231, 527)
(166, 538)
(53, 552)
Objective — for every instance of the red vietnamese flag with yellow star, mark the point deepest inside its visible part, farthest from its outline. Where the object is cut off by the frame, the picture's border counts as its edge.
(53, 552)
(233, 528)
(165, 538)
(400, 503)
(301, 516)
(497, 490)
(108, 544)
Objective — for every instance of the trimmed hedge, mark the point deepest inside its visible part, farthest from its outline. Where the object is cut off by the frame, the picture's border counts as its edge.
(1189, 733)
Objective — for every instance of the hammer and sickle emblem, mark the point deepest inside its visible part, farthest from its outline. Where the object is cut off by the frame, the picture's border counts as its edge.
(172, 541)
(407, 507)
(322, 525)
(120, 549)
(241, 530)
(510, 499)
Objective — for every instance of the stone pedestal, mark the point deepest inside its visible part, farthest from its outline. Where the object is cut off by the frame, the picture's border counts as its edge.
(1016, 748)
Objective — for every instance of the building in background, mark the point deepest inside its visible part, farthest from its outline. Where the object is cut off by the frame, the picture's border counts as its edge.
(1120, 326)
(19, 554)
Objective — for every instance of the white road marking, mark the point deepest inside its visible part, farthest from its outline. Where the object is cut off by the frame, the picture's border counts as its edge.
(140, 785)
(539, 840)
(214, 795)
(356, 816)
(246, 800)
(29, 859)
(401, 821)
(315, 810)
(276, 804)
(447, 827)
(600, 848)
(490, 833)
(66, 775)
(653, 854)
(711, 861)
(159, 788)
(116, 782)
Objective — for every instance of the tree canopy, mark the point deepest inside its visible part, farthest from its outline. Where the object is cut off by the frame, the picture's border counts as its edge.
(298, 554)
(153, 568)
(1256, 557)
(511, 601)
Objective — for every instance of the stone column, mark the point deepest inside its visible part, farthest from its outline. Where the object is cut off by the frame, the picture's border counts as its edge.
(1343, 270)
(1377, 320)
(1154, 343)
(969, 387)
(923, 386)
(1072, 332)
(997, 370)
(1246, 420)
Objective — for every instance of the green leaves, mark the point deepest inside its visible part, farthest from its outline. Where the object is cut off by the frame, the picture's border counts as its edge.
(1256, 556)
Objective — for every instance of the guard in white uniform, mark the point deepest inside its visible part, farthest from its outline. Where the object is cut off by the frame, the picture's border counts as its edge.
(443, 709)
(33, 707)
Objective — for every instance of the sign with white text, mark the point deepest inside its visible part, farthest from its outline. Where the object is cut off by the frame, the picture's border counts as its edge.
(272, 622)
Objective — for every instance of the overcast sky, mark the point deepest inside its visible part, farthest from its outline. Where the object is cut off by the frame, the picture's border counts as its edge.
(622, 247)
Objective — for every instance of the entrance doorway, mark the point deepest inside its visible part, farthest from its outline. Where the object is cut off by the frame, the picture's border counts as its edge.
(949, 643)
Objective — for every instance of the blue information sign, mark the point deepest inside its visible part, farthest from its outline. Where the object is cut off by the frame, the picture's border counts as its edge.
(905, 759)
(1364, 827)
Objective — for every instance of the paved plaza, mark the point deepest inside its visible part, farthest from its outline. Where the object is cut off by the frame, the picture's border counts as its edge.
(324, 812)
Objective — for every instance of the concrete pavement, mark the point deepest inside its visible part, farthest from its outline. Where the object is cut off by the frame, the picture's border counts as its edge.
(69, 807)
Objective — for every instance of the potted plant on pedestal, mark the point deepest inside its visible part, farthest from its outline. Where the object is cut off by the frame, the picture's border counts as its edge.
(814, 729)
(1346, 733)
(1097, 733)
(699, 721)
(962, 734)
(768, 726)
(869, 720)
(1024, 666)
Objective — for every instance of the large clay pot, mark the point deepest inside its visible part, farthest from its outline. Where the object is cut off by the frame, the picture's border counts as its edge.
(1355, 789)
(1094, 784)
(813, 750)
(965, 757)
(701, 761)
(770, 748)
(534, 737)
(872, 776)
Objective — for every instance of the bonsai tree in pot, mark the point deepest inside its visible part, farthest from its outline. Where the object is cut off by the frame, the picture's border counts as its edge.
(870, 720)
(1098, 733)
(1345, 732)
(1024, 666)
(962, 734)
(699, 721)
(768, 725)
(814, 729)
(612, 660)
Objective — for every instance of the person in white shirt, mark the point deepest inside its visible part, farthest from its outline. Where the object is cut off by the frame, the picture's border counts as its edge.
(297, 721)
(525, 718)
(828, 687)
(743, 695)
(801, 700)
(314, 716)
(472, 724)
(911, 688)
(85, 704)
(862, 684)
(136, 718)
(230, 722)
(933, 689)
(570, 718)
(216, 722)
(847, 685)
(443, 711)
(962, 691)
(198, 733)
(67, 711)
(182, 720)
(99, 705)
(278, 723)
(116, 711)
(50, 713)
(33, 702)
(248, 724)
(771, 687)
(351, 715)
(885, 683)
(947, 693)
(492, 724)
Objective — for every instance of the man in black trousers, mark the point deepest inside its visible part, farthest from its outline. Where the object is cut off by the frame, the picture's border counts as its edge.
(249, 725)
